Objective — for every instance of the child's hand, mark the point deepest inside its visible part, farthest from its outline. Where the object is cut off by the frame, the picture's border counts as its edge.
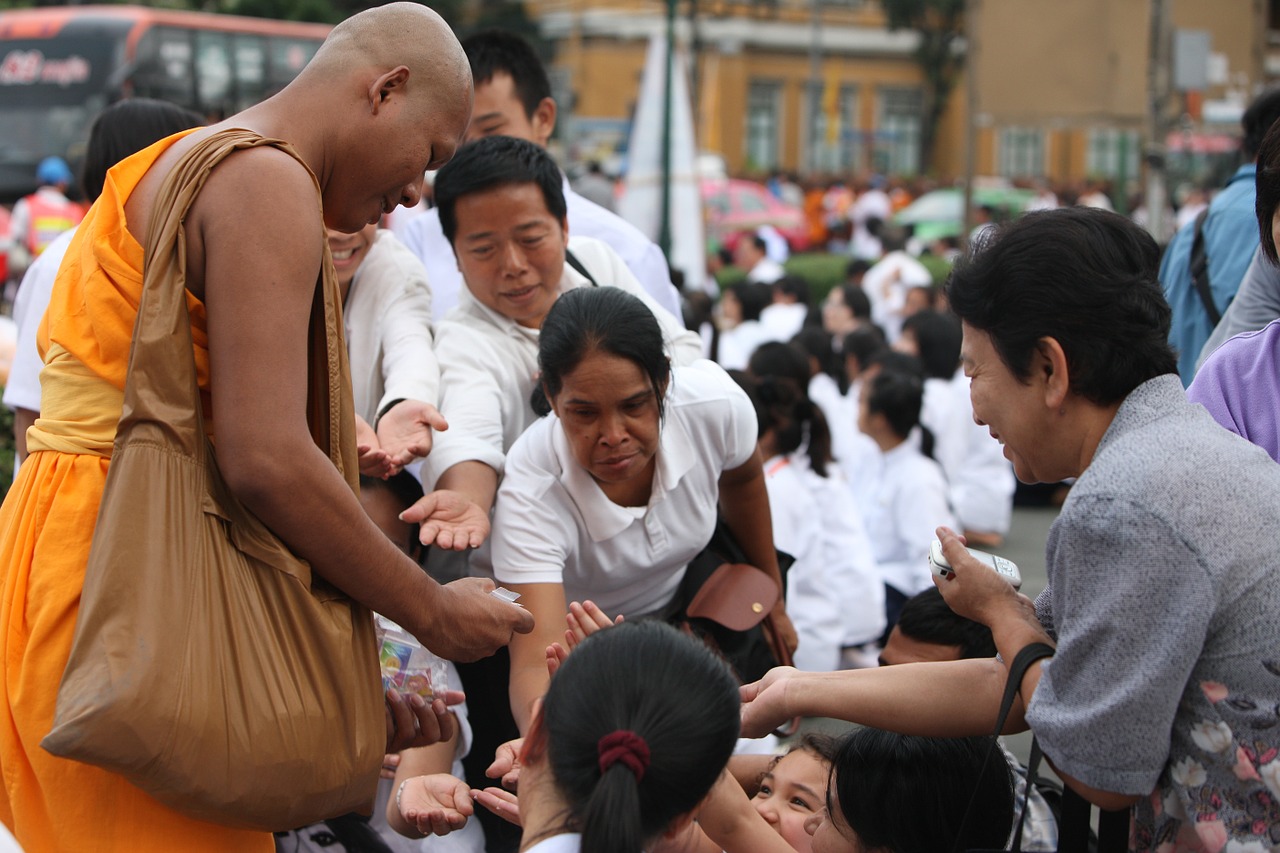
(582, 620)
(506, 763)
(504, 804)
(436, 804)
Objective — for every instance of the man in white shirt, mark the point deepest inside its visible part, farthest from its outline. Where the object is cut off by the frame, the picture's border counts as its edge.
(870, 212)
(752, 254)
(887, 283)
(501, 205)
(513, 98)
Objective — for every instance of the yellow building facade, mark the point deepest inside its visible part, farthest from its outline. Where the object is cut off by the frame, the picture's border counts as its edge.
(760, 100)
(1064, 90)
(1061, 90)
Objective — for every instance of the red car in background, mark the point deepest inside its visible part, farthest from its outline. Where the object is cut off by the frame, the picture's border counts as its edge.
(733, 207)
(5, 243)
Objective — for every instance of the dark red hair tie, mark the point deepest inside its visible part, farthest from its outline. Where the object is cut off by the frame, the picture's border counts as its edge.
(627, 747)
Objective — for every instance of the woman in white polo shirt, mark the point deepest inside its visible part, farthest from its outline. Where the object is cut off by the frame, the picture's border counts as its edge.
(612, 495)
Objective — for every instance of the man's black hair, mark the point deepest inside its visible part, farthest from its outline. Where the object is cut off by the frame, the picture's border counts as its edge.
(926, 618)
(500, 52)
(492, 162)
(1257, 120)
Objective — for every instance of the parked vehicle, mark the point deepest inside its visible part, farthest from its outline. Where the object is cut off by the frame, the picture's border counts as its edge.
(59, 66)
(733, 207)
(940, 213)
(6, 241)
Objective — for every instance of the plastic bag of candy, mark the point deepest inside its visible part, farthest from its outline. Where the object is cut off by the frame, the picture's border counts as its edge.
(406, 665)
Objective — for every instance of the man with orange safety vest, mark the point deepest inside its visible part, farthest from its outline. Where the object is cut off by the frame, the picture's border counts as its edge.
(39, 218)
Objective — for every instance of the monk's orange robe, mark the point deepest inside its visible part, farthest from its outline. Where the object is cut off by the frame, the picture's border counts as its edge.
(46, 524)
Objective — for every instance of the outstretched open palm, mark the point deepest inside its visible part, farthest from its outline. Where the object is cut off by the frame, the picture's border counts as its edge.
(436, 804)
(449, 520)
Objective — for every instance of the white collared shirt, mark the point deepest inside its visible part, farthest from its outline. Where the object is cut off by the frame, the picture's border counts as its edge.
(488, 364)
(387, 318)
(425, 238)
(565, 842)
(553, 524)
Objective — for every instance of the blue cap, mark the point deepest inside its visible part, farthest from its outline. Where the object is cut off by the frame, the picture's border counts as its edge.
(53, 170)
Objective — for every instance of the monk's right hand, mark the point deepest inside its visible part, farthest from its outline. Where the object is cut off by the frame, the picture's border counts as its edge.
(469, 623)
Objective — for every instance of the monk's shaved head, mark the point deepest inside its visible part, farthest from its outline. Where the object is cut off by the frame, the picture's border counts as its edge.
(407, 34)
(385, 99)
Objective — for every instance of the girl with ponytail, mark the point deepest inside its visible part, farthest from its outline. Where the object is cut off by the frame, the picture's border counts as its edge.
(834, 592)
(634, 730)
(903, 493)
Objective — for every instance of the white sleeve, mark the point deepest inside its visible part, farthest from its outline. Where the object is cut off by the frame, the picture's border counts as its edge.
(409, 367)
(652, 272)
(742, 434)
(23, 388)
(424, 238)
(736, 424)
(531, 536)
(470, 400)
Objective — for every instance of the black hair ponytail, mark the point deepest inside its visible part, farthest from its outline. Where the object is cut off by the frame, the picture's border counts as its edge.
(628, 753)
(610, 817)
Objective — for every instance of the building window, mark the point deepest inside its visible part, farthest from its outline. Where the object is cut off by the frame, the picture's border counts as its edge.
(764, 120)
(1021, 152)
(897, 137)
(834, 140)
(1113, 153)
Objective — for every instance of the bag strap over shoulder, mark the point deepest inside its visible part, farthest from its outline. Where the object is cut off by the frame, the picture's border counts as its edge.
(572, 260)
(1200, 270)
(1017, 669)
(164, 398)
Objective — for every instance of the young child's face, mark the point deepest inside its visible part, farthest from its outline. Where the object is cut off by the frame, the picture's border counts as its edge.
(793, 791)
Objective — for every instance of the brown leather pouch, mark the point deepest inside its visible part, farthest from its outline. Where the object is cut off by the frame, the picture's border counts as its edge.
(736, 595)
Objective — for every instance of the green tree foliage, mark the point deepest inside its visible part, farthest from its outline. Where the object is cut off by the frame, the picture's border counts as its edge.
(940, 25)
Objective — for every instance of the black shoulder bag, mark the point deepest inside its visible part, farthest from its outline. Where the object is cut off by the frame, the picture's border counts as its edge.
(1075, 833)
(1200, 271)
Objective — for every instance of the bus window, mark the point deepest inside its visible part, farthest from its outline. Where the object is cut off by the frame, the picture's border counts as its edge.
(60, 66)
(251, 70)
(288, 55)
(163, 67)
(49, 90)
(213, 74)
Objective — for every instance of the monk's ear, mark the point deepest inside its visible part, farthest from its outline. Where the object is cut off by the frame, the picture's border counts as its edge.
(385, 85)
